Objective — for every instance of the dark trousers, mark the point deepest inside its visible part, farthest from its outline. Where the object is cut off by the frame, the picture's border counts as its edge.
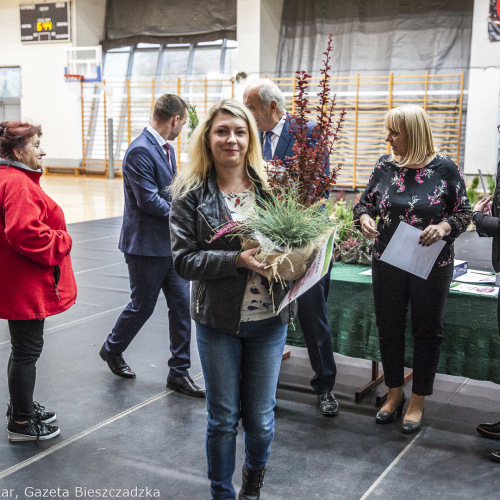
(498, 313)
(26, 337)
(313, 320)
(393, 290)
(148, 276)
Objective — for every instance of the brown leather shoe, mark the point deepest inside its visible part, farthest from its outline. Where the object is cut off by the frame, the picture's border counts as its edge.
(116, 363)
(185, 385)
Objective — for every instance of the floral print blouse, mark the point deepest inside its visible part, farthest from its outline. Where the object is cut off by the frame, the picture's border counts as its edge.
(257, 303)
(419, 197)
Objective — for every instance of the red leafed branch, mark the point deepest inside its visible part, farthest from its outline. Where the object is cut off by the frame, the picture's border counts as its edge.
(306, 172)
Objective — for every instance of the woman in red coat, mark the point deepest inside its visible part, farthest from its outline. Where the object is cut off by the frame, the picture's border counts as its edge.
(36, 277)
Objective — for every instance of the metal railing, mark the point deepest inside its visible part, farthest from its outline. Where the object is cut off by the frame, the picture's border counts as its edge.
(365, 98)
(130, 104)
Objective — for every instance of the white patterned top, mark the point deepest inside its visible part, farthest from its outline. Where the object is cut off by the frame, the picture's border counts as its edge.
(257, 303)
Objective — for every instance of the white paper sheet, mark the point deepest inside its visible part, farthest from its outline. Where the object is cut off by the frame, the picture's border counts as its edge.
(482, 182)
(316, 271)
(477, 289)
(405, 252)
(472, 276)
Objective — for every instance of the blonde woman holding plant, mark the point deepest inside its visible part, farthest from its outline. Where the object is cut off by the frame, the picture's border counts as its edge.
(425, 189)
(240, 337)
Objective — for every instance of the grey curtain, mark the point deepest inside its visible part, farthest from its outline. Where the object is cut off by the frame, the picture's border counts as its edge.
(174, 21)
(376, 36)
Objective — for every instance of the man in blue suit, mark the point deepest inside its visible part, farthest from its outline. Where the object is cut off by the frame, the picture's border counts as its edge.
(148, 168)
(267, 104)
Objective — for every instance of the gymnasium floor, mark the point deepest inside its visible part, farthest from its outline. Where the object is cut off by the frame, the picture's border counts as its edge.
(132, 433)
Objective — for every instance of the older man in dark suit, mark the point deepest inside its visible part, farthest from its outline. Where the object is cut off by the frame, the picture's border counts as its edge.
(267, 104)
(148, 168)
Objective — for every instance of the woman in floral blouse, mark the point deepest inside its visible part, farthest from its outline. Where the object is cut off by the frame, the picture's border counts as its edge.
(421, 187)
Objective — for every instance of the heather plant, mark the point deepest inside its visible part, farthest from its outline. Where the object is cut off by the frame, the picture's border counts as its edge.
(350, 245)
(356, 249)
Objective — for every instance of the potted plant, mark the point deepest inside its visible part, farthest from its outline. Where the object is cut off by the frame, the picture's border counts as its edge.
(291, 223)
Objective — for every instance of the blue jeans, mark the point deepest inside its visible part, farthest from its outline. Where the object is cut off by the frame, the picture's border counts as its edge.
(241, 374)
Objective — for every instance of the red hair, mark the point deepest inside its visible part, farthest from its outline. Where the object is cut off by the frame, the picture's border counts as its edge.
(15, 135)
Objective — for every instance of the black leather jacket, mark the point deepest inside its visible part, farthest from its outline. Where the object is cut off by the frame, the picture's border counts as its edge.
(218, 285)
(490, 226)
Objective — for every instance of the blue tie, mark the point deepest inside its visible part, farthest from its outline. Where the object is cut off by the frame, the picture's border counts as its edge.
(267, 149)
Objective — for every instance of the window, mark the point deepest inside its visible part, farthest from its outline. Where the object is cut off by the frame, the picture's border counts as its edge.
(175, 61)
(10, 82)
(231, 58)
(116, 63)
(210, 59)
(206, 60)
(145, 63)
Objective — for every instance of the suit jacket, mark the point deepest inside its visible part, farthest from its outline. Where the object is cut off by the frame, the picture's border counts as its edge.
(284, 148)
(146, 174)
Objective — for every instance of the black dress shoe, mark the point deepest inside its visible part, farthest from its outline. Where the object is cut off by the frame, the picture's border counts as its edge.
(491, 431)
(328, 405)
(185, 385)
(386, 417)
(116, 363)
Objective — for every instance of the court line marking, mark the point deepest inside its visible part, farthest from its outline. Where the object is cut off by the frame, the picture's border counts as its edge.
(77, 437)
(391, 466)
(81, 320)
(100, 238)
(408, 446)
(55, 328)
(89, 431)
(97, 268)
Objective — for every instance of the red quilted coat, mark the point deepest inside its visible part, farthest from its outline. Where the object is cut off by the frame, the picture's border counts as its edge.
(36, 276)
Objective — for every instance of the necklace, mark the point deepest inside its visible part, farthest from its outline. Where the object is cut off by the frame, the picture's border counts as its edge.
(231, 192)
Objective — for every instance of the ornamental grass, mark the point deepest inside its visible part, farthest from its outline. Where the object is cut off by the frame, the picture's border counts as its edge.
(290, 223)
(280, 222)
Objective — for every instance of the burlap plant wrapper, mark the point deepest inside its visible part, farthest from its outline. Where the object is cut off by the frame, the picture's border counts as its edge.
(287, 266)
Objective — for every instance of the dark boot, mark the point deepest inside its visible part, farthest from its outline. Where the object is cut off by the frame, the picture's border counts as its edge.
(252, 482)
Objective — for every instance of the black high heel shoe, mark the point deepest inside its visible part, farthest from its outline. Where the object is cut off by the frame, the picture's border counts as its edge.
(408, 427)
(385, 417)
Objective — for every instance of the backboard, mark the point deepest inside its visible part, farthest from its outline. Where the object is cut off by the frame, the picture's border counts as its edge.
(85, 61)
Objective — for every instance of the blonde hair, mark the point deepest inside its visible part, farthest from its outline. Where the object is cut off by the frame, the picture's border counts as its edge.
(194, 174)
(415, 121)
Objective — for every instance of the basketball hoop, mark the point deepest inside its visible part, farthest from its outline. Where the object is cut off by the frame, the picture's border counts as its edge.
(73, 78)
(85, 62)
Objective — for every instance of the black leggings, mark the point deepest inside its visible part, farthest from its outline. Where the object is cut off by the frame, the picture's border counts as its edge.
(26, 337)
(393, 289)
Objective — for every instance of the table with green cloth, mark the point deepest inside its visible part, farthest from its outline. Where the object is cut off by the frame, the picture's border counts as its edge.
(471, 341)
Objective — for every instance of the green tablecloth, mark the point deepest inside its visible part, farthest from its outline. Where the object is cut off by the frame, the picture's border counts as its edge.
(471, 341)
